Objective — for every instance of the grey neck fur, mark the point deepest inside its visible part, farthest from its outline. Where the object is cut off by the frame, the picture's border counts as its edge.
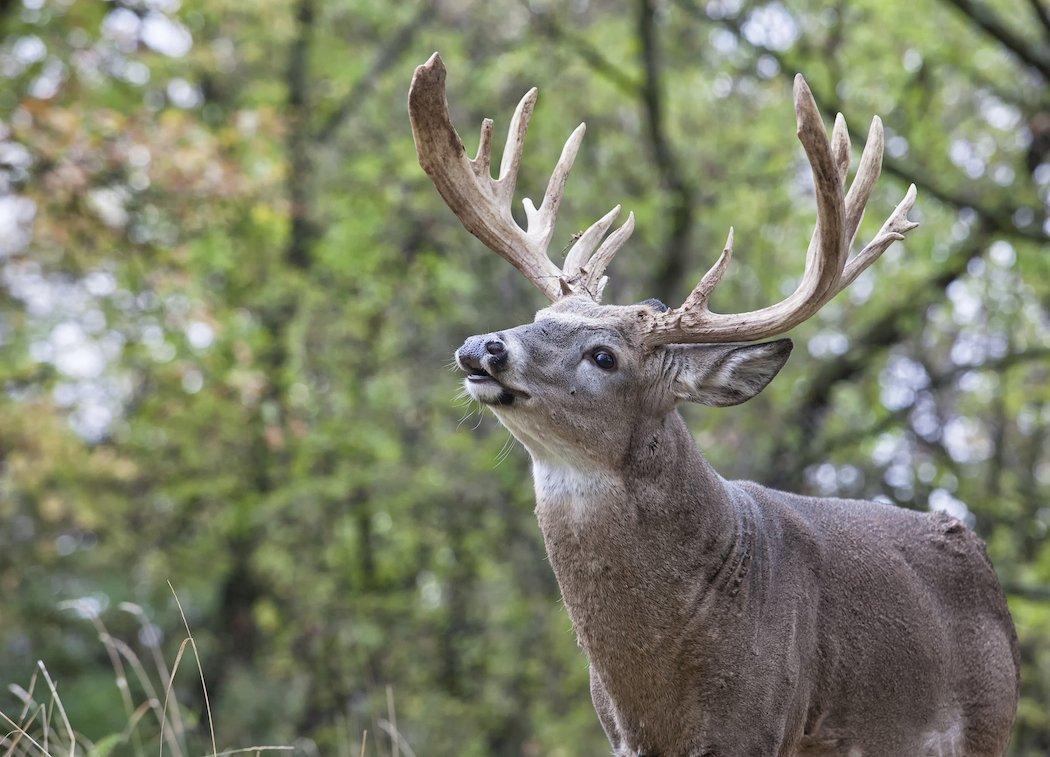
(664, 520)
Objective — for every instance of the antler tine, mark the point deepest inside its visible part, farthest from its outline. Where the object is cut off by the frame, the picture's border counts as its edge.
(868, 171)
(840, 153)
(896, 226)
(595, 268)
(508, 167)
(541, 221)
(700, 295)
(840, 146)
(581, 251)
(600, 288)
(826, 257)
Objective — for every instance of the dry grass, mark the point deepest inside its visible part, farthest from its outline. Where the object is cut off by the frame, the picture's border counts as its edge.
(42, 725)
(34, 731)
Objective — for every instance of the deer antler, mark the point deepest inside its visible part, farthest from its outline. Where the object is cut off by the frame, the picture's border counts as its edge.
(483, 204)
(829, 269)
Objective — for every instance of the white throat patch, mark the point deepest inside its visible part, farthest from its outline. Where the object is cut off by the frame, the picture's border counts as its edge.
(570, 492)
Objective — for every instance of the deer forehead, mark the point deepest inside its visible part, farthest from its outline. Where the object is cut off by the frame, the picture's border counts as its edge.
(582, 306)
(581, 315)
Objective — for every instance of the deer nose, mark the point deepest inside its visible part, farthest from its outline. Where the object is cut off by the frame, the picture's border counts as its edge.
(482, 354)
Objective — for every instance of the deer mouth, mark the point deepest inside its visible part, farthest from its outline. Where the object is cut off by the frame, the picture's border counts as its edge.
(480, 376)
(486, 388)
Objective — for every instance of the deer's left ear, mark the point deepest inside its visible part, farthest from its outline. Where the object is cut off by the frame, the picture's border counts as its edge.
(723, 375)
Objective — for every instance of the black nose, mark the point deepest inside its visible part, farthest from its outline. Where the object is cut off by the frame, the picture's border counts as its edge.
(482, 354)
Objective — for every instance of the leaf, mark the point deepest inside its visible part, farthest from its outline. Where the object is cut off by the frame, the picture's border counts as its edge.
(104, 746)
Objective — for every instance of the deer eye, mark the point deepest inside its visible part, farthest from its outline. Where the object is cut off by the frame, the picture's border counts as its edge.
(604, 359)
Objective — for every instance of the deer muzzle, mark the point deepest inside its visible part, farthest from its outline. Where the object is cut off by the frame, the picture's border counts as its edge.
(482, 358)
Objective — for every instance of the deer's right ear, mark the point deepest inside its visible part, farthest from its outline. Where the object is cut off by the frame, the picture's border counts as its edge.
(723, 375)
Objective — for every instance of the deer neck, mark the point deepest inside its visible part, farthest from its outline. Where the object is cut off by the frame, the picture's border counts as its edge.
(659, 518)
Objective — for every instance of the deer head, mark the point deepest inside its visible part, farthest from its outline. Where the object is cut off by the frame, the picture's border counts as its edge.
(575, 382)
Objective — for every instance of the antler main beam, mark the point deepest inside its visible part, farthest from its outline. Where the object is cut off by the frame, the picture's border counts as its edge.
(828, 269)
(483, 204)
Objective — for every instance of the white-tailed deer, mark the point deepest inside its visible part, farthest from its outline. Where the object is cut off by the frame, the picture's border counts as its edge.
(720, 617)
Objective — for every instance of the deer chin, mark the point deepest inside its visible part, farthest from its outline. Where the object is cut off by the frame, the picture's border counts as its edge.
(531, 426)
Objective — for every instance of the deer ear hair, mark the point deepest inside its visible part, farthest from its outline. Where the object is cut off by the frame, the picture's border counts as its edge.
(724, 375)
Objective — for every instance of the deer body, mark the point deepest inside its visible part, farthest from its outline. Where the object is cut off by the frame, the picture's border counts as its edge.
(720, 618)
(723, 618)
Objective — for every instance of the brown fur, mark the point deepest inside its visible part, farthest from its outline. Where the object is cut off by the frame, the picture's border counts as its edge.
(722, 617)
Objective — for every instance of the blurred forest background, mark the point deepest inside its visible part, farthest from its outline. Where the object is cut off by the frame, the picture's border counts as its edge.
(229, 295)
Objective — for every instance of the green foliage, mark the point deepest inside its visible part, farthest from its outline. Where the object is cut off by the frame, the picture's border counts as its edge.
(225, 332)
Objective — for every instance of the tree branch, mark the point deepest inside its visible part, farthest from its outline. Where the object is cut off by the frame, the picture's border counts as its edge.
(241, 587)
(387, 57)
(1037, 593)
(298, 140)
(1042, 14)
(984, 18)
(7, 8)
(671, 271)
(937, 381)
(547, 23)
(887, 330)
